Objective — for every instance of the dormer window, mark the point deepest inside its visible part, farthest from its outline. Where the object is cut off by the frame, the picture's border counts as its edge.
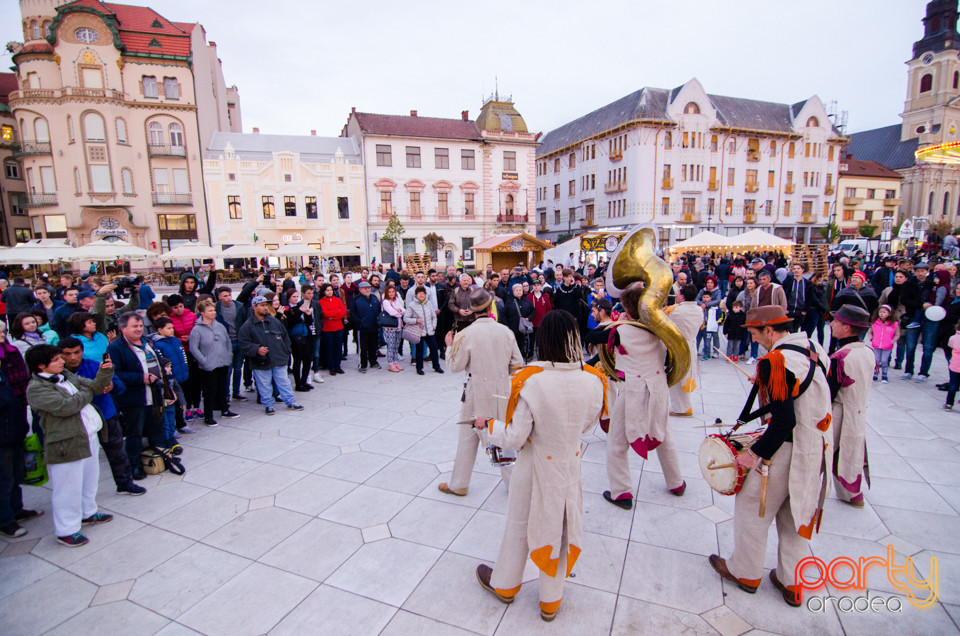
(813, 122)
(156, 24)
(154, 43)
(691, 109)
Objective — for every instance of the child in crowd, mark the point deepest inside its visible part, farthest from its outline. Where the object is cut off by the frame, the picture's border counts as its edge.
(884, 333)
(954, 367)
(733, 328)
(169, 347)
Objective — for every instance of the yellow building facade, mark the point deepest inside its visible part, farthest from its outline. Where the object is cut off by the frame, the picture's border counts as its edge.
(868, 193)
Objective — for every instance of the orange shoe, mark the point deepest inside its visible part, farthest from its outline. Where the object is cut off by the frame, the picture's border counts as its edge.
(459, 492)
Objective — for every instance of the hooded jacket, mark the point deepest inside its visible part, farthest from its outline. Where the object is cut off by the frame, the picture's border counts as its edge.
(210, 345)
(190, 298)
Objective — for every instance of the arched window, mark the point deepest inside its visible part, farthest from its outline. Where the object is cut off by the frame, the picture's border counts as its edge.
(946, 202)
(93, 128)
(77, 184)
(926, 83)
(156, 134)
(121, 131)
(930, 205)
(813, 122)
(508, 204)
(176, 135)
(956, 79)
(126, 177)
(46, 28)
(70, 128)
(41, 130)
(691, 109)
(35, 30)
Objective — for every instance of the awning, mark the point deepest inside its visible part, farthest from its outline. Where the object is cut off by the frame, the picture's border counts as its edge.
(700, 240)
(104, 250)
(37, 251)
(191, 252)
(244, 251)
(758, 238)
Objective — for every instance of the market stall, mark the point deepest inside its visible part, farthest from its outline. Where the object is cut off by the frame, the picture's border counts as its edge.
(506, 251)
(705, 241)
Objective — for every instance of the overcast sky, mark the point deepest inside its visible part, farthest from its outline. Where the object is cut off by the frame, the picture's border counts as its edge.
(302, 65)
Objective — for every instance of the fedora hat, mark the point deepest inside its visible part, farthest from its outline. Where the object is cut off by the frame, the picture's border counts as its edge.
(853, 316)
(480, 299)
(766, 315)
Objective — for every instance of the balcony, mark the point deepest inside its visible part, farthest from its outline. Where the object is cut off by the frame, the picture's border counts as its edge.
(752, 186)
(172, 198)
(753, 155)
(853, 200)
(166, 150)
(542, 228)
(892, 202)
(790, 188)
(32, 148)
(667, 183)
(35, 200)
(512, 218)
(588, 222)
(749, 217)
(829, 189)
(689, 217)
(808, 218)
(616, 186)
(713, 185)
(616, 155)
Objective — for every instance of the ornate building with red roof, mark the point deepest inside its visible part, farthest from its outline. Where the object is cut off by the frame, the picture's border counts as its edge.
(114, 108)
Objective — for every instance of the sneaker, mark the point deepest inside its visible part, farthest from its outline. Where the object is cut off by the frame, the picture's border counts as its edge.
(209, 421)
(875, 377)
(362, 369)
(27, 515)
(131, 489)
(295, 407)
(75, 540)
(318, 377)
(96, 518)
(186, 430)
(921, 378)
(375, 365)
(898, 366)
(270, 410)
(884, 381)
(188, 415)
(734, 358)
(239, 398)
(198, 413)
(229, 414)
(947, 407)
(704, 357)
(913, 325)
(248, 388)
(752, 361)
(13, 530)
(176, 434)
(906, 376)
(138, 474)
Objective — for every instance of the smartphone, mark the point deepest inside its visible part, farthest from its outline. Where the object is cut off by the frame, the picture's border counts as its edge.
(106, 357)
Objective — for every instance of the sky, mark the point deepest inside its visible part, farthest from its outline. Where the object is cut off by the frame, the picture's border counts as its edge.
(301, 65)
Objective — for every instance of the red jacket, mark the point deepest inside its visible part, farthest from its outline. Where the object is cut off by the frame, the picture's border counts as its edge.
(334, 312)
(540, 307)
(183, 325)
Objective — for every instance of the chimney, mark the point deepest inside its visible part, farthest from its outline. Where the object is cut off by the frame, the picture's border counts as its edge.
(465, 115)
(413, 113)
(313, 133)
(256, 130)
(353, 109)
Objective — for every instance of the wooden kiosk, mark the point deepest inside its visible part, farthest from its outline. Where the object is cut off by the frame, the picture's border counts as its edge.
(506, 251)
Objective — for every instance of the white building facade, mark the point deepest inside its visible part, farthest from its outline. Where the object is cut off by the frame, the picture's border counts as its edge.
(458, 179)
(688, 161)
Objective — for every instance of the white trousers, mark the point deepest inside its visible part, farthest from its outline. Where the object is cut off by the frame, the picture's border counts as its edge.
(467, 446)
(74, 487)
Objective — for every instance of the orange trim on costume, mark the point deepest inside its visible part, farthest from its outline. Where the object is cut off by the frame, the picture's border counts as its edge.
(550, 608)
(572, 555)
(603, 378)
(516, 383)
(776, 387)
(541, 559)
(824, 424)
(508, 593)
(764, 323)
(669, 309)
(750, 582)
(690, 385)
(807, 531)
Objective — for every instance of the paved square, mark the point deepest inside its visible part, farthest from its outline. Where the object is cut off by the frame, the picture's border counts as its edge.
(329, 521)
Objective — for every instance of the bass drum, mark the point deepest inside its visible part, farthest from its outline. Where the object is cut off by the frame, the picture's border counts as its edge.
(716, 461)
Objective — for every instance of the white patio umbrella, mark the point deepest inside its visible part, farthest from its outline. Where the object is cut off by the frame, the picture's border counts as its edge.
(292, 250)
(244, 251)
(190, 252)
(37, 251)
(104, 250)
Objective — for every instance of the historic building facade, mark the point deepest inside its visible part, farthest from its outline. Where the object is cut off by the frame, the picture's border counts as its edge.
(14, 222)
(925, 147)
(275, 190)
(867, 194)
(458, 179)
(686, 161)
(113, 104)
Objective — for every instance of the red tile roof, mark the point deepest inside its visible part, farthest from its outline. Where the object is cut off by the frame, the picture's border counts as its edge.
(857, 168)
(137, 31)
(8, 84)
(416, 126)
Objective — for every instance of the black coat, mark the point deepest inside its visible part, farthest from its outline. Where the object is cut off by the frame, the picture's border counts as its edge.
(513, 308)
(569, 299)
(17, 298)
(13, 416)
(270, 333)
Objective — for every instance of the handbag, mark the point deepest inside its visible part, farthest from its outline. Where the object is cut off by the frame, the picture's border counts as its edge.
(413, 334)
(386, 320)
(525, 325)
(34, 466)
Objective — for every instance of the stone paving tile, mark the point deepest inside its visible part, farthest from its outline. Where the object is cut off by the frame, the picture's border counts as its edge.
(369, 468)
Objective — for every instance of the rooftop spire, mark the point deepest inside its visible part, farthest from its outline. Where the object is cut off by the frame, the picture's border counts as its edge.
(939, 28)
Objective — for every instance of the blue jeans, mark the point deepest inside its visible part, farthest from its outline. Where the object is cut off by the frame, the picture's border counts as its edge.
(954, 385)
(901, 349)
(169, 425)
(723, 289)
(710, 340)
(427, 342)
(267, 379)
(137, 422)
(316, 353)
(331, 346)
(927, 335)
(235, 369)
(11, 474)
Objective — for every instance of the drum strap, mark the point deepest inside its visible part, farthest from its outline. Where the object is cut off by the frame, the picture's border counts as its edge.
(747, 415)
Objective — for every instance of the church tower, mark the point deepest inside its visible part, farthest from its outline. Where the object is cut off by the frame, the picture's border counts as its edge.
(931, 111)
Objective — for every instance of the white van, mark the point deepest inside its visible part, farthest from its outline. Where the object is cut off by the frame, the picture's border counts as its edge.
(849, 247)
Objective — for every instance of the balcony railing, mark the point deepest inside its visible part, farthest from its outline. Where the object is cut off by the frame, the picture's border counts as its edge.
(166, 150)
(714, 184)
(749, 217)
(541, 228)
(689, 217)
(31, 148)
(752, 186)
(512, 218)
(172, 198)
(587, 222)
(616, 155)
(808, 218)
(667, 183)
(753, 155)
(615, 186)
(852, 200)
(385, 213)
(69, 91)
(829, 190)
(892, 202)
(790, 188)
(35, 200)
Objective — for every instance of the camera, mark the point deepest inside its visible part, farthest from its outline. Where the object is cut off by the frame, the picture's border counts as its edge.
(127, 283)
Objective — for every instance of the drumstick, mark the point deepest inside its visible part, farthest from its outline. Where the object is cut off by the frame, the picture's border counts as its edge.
(727, 358)
(711, 466)
(764, 476)
(711, 426)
